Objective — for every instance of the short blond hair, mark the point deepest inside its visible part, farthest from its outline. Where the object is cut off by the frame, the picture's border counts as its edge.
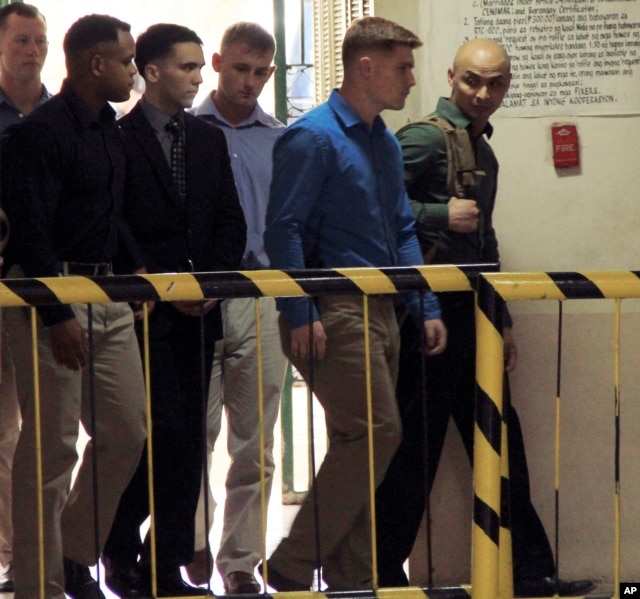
(255, 36)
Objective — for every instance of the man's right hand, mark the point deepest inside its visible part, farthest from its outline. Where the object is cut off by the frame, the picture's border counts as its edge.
(300, 341)
(69, 344)
(463, 215)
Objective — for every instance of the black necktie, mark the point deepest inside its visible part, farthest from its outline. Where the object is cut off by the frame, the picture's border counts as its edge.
(178, 156)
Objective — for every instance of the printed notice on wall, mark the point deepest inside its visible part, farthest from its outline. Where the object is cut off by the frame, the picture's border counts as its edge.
(569, 57)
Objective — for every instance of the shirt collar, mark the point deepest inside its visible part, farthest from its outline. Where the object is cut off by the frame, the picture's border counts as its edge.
(257, 117)
(453, 114)
(44, 96)
(349, 116)
(157, 118)
(81, 110)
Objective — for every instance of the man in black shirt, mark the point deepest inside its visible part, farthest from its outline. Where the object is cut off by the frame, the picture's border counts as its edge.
(63, 183)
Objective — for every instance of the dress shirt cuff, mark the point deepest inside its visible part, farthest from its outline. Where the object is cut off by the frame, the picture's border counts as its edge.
(51, 315)
(431, 307)
(296, 310)
(430, 217)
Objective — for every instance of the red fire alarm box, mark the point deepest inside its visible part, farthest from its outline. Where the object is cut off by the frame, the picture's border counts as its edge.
(565, 146)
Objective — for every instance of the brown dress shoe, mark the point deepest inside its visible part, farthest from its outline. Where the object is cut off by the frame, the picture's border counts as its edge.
(200, 570)
(241, 583)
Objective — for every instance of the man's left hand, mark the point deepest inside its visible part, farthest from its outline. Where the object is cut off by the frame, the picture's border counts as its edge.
(436, 336)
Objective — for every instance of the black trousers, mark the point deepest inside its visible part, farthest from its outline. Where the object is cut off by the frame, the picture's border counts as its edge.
(177, 396)
(450, 390)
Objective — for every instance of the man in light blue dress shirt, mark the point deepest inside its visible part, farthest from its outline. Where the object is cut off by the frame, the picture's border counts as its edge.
(244, 65)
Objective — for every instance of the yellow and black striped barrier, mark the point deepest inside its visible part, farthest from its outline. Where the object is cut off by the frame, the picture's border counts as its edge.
(254, 283)
(198, 286)
(491, 568)
(491, 574)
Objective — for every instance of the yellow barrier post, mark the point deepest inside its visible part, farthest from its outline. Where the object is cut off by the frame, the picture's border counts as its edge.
(487, 467)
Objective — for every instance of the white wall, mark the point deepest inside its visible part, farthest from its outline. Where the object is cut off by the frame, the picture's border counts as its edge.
(207, 18)
(580, 219)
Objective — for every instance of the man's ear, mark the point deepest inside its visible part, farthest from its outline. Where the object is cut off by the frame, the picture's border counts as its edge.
(215, 61)
(450, 75)
(96, 64)
(365, 66)
(151, 73)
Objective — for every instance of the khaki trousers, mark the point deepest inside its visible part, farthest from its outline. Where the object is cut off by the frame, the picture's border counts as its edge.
(9, 433)
(68, 527)
(342, 483)
(234, 389)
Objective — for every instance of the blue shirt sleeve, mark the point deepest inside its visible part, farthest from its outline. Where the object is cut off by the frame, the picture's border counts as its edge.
(303, 167)
(298, 167)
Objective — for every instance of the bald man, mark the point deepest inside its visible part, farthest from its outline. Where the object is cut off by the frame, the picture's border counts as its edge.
(454, 230)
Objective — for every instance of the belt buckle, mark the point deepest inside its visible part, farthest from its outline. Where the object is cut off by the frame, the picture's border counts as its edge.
(85, 269)
(103, 269)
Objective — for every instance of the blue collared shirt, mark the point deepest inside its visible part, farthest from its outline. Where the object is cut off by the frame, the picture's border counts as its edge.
(10, 115)
(338, 196)
(250, 147)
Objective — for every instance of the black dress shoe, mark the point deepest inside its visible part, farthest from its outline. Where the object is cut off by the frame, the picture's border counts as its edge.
(549, 585)
(172, 585)
(281, 583)
(392, 578)
(125, 581)
(241, 583)
(78, 582)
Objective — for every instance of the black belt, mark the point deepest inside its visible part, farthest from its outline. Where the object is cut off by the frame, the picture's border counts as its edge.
(85, 269)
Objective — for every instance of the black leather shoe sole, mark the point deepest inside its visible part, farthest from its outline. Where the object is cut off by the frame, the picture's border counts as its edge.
(281, 583)
(548, 586)
(126, 581)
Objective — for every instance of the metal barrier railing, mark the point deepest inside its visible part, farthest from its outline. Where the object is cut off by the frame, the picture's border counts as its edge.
(491, 542)
(491, 576)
